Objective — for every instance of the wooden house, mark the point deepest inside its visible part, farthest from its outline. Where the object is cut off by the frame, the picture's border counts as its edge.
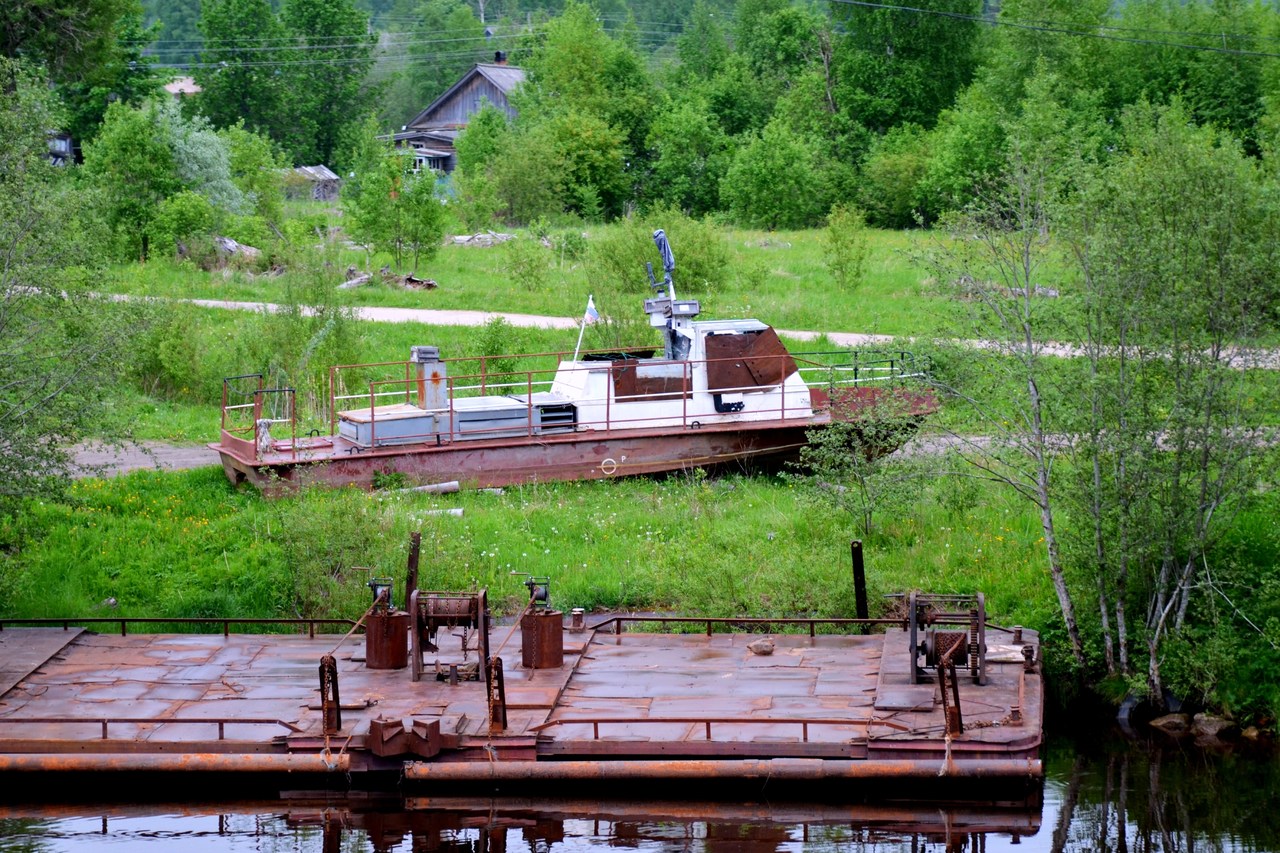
(432, 132)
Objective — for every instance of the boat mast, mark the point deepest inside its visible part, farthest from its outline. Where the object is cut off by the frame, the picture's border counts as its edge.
(665, 311)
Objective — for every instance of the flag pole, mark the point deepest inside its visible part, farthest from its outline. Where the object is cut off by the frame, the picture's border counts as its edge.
(582, 327)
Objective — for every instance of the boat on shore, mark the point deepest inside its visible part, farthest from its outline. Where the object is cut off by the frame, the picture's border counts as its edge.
(721, 392)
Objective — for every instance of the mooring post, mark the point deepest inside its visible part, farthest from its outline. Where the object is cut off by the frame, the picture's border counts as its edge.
(859, 581)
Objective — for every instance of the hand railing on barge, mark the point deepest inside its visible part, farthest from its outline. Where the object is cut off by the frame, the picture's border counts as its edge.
(827, 371)
(125, 621)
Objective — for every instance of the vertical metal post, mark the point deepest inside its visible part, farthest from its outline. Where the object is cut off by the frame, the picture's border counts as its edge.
(859, 581)
(411, 572)
(330, 704)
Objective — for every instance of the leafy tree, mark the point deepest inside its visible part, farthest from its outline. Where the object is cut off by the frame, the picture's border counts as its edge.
(691, 155)
(484, 139)
(966, 149)
(420, 61)
(844, 245)
(59, 347)
(703, 47)
(846, 468)
(1178, 241)
(179, 218)
(124, 75)
(146, 154)
(899, 65)
(393, 209)
(68, 38)
(773, 182)
(580, 74)
(332, 54)
(132, 162)
(1221, 89)
(421, 218)
(891, 176)
(527, 177)
(738, 99)
(256, 170)
(240, 75)
(178, 26)
(1016, 51)
(779, 41)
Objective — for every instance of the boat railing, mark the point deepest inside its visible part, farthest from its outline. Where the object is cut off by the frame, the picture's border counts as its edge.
(125, 622)
(250, 414)
(845, 368)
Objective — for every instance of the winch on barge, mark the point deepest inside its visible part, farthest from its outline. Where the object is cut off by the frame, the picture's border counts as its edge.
(434, 700)
(722, 392)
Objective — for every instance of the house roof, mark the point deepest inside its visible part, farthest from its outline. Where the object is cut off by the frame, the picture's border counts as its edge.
(182, 86)
(317, 173)
(504, 77)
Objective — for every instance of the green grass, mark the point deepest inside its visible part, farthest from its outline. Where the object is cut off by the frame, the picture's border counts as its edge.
(188, 544)
(778, 277)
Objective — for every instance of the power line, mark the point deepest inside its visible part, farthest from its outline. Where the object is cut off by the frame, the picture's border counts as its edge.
(1057, 29)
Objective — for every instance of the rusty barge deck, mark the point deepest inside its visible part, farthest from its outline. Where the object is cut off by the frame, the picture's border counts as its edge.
(626, 702)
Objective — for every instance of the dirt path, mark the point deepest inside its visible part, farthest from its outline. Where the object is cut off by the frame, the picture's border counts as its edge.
(93, 459)
(434, 317)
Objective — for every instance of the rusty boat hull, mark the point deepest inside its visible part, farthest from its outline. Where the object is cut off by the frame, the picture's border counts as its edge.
(596, 455)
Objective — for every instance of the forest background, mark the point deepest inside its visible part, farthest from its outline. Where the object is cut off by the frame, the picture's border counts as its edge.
(1084, 176)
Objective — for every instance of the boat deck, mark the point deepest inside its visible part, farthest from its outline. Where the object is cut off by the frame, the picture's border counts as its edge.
(629, 696)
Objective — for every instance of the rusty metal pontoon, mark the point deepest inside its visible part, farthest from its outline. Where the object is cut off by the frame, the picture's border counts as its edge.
(721, 392)
(435, 700)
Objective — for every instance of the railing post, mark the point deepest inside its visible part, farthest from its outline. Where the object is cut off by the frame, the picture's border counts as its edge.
(859, 582)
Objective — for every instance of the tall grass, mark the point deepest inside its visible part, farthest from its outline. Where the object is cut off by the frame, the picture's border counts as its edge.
(188, 544)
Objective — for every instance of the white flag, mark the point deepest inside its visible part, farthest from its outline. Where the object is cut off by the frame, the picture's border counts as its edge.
(592, 314)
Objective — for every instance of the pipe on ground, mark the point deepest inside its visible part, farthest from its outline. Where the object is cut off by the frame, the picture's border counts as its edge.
(175, 763)
(782, 769)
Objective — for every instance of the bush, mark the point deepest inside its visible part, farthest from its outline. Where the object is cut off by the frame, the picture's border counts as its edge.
(701, 252)
(844, 245)
(179, 220)
(526, 262)
(891, 176)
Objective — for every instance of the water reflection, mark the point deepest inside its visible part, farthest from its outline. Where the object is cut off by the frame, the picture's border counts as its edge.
(1134, 799)
(1160, 797)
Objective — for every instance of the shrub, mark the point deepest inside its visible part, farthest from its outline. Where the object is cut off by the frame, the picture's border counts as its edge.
(526, 262)
(844, 245)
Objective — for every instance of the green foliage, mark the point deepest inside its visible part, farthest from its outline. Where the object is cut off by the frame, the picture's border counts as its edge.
(485, 138)
(774, 183)
(965, 150)
(420, 71)
(145, 155)
(700, 250)
(132, 161)
(691, 157)
(845, 245)
(239, 86)
(389, 207)
(496, 343)
(905, 68)
(846, 467)
(475, 200)
(59, 344)
(257, 171)
(179, 218)
(891, 177)
(526, 262)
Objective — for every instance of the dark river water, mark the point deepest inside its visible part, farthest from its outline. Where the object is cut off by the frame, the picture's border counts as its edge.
(1100, 794)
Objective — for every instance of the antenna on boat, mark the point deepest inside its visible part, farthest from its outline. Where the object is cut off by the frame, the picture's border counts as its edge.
(668, 262)
(664, 310)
